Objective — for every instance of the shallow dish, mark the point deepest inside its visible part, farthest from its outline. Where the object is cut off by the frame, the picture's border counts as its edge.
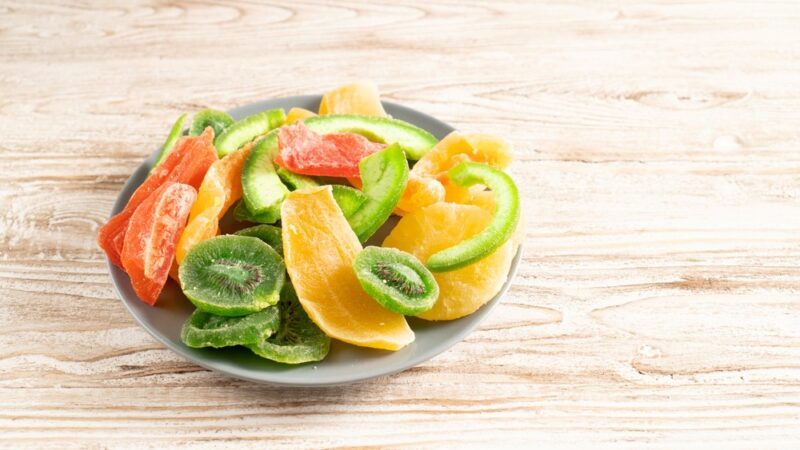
(345, 363)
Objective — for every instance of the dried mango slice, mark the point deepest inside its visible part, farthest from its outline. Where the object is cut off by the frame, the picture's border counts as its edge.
(320, 247)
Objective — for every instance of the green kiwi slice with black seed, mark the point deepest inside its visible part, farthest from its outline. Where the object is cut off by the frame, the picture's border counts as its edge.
(396, 279)
(298, 339)
(232, 275)
(271, 235)
(203, 329)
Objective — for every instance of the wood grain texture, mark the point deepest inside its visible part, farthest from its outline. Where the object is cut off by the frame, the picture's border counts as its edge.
(658, 303)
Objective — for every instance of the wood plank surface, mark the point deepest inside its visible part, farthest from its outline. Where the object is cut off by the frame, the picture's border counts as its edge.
(658, 302)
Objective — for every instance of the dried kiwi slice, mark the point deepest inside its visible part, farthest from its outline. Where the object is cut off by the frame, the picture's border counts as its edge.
(232, 275)
(397, 280)
(218, 120)
(298, 339)
(267, 233)
(203, 329)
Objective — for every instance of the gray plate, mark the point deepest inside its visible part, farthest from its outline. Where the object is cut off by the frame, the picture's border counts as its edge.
(345, 363)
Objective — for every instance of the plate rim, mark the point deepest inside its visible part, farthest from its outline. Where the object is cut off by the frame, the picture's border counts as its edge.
(184, 353)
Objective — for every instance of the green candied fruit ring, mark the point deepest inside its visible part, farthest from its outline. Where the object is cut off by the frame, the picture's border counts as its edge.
(247, 129)
(232, 275)
(348, 198)
(298, 339)
(497, 232)
(295, 181)
(218, 120)
(202, 329)
(242, 214)
(415, 141)
(396, 280)
(384, 175)
(262, 189)
(174, 134)
(267, 233)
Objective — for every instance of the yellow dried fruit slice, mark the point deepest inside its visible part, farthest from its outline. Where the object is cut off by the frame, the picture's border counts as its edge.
(296, 114)
(360, 98)
(442, 225)
(319, 248)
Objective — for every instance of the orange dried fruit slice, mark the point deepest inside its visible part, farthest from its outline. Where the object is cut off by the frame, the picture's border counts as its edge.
(442, 225)
(319, 248)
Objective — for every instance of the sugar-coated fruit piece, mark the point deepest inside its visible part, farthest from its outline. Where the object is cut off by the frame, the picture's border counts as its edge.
(334, 155)
(187, 164)
(262, 188)
(383, 179)
(218, 120)
(232, 275)
(251, 127)
(498, 230)
(203, 329)
(154, 229)
(298, 339)
(396, 279)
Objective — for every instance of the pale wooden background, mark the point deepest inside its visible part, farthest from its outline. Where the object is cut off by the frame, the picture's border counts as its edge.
(659, 298)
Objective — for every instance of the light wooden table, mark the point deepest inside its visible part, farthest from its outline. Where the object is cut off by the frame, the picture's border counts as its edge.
(658, 150)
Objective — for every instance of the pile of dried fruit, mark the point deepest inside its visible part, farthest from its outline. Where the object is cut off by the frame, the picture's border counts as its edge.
(315, 188)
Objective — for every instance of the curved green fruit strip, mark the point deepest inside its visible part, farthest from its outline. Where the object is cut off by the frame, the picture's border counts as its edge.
(267, 233)
(298, 339)
(247, 129)
(218, 120)
(232, 275)
(396, 279)
(383, 176)
(414, 140)
(262, 189)
(497, 232)
(174, 134)
(295, 181)
(242, 214)
(202, 329)
(348, 198)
